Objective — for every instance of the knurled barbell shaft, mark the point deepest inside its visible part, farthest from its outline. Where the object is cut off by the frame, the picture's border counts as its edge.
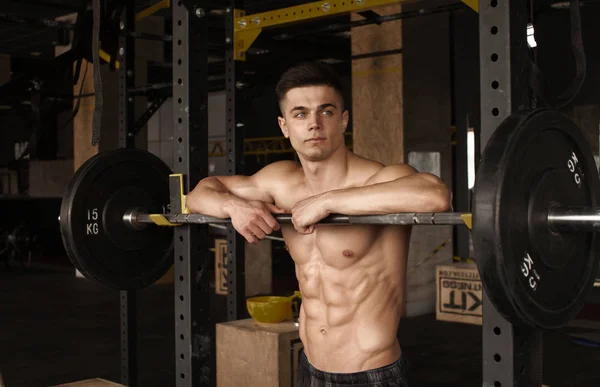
(559, 219)
(421, 218)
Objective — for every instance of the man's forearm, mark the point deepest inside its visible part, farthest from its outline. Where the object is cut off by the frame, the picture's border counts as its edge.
(210, 197)
(409, 194)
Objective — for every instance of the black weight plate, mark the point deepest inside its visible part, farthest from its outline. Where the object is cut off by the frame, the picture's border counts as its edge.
(534, 161)
(98, 242)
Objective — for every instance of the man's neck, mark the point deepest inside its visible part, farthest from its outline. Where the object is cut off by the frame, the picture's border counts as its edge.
(329, 174)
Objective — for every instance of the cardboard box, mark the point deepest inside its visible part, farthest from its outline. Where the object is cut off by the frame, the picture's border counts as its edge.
(459, 293)
(251, 354)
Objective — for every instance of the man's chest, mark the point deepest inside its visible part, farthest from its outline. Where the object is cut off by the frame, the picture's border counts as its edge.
(335, 245)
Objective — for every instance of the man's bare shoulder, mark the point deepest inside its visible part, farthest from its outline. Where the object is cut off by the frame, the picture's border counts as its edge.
(391, 172)
(279, 171)
(373, 172)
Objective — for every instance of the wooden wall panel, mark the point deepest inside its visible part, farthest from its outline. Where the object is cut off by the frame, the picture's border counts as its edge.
(377, 90)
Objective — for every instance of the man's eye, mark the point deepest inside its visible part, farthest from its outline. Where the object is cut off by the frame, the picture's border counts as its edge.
(300, 115)
(327, 112)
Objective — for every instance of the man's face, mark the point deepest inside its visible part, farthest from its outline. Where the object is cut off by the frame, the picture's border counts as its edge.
(313, 120)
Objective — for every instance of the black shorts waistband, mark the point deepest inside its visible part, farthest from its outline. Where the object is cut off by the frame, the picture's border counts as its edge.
(396, 371)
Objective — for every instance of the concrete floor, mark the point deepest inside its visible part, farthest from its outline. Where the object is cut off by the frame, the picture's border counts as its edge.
(55, 328)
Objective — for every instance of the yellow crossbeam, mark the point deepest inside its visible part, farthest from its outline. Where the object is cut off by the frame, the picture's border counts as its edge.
(152, 9)
(474, 4)
(248, 27)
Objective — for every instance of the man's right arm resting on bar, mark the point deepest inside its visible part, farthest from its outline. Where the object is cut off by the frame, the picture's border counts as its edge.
(247, 200)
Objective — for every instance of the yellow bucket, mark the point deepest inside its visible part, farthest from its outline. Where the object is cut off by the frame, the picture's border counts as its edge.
(271, 309)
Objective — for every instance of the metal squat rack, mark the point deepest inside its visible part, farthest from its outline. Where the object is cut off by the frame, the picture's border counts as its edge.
(512, 356)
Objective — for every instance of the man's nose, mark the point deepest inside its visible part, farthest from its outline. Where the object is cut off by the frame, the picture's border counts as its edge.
(314, 122)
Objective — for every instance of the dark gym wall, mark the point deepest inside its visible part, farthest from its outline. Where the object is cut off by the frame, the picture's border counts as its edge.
(16, 129)
(426, 87)
(4, 69)
(555, 60)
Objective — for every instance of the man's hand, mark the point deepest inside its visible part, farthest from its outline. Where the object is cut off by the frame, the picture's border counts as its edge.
(308, 212)
(254, 219)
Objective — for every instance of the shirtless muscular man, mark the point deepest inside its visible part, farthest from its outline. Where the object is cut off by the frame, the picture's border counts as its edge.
(352, 277)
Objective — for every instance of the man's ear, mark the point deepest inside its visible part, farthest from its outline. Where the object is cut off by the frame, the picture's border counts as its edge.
(283, 126)
(345, 119)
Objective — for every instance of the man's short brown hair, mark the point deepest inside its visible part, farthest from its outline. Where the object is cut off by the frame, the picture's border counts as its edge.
(308, 74)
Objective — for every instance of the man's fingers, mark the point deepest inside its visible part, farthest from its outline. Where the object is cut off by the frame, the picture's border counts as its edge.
(249, 237)
(307, 230)
(264, 224)
(273, 208)
(270, 222)
(260, 234)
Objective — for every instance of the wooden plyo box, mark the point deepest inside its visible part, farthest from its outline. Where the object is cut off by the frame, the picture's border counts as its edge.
(459, 293)
(251, 354)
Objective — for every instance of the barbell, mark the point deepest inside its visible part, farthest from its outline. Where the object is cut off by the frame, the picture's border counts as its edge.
(534, 221)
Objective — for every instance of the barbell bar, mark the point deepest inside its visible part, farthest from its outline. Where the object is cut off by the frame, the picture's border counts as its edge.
(574, 219)
(535, 213)
(559, 219)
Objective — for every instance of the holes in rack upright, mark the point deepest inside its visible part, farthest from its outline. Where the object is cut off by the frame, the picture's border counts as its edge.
(494, 57)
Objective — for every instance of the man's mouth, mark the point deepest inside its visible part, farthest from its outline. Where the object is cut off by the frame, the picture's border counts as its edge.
(315, 139)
